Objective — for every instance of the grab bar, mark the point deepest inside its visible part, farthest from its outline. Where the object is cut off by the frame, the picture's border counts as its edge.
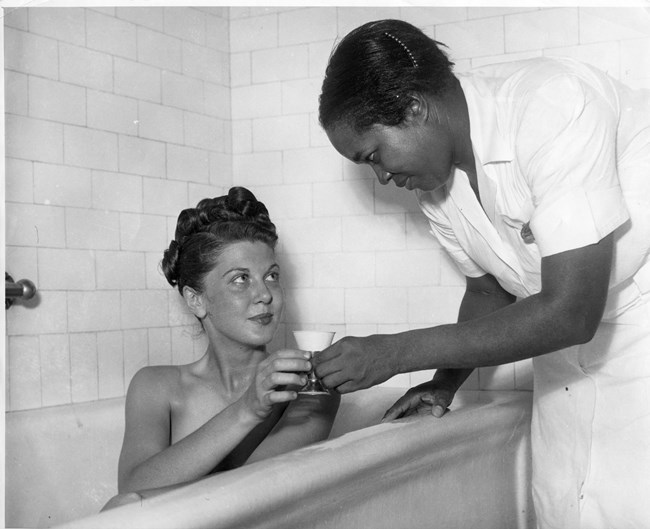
(23, 289)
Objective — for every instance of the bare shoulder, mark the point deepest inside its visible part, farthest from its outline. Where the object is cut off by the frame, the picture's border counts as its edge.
(154, 380)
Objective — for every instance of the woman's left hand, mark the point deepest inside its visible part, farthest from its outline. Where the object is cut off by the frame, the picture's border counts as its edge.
(354, 363)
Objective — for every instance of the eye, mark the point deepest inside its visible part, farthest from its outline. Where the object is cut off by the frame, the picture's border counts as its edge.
(240, 279)
(372, 158)
(273, 277)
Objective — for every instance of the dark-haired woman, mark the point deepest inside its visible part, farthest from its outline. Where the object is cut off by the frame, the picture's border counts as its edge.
(237, 403)
(535, 177)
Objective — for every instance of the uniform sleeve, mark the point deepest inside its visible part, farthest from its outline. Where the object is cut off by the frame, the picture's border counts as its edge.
(566, 148)
(441, 229)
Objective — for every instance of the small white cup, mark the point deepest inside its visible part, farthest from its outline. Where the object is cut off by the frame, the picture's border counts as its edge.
(313, 340)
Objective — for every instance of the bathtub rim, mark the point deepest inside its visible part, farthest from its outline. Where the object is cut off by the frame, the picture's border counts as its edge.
(209, 495)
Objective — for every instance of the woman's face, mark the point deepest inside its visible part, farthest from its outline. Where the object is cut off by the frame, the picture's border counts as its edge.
(414, 155)
(242, 295)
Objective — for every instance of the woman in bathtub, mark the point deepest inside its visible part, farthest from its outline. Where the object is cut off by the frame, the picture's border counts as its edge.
(237, 403)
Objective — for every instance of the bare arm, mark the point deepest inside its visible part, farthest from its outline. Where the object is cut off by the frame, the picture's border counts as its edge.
(483, 295)
(307, 420)
(148, 459)
(566, 312)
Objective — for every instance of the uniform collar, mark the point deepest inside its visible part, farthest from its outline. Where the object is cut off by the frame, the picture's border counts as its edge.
(487, 131)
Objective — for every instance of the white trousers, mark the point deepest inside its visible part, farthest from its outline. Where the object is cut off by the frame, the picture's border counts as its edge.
(591, 429)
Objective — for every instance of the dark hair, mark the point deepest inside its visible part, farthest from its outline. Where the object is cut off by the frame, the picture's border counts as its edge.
(203, 232)
(373, 71)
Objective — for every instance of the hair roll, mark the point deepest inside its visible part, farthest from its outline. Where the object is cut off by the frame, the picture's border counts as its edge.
(203, 232)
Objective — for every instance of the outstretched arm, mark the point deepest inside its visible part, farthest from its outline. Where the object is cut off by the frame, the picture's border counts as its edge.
(483, 295)
(566, 312)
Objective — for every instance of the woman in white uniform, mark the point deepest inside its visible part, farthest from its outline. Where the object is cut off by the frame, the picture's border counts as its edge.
(535, 177)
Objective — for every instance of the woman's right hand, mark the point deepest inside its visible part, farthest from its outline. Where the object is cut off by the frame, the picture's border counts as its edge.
(275, 379)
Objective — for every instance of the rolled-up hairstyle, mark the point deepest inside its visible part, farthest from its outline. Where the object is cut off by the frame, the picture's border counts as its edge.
(373, 71)
(203, 232)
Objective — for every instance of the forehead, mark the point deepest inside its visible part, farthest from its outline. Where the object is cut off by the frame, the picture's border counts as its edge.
(350, 142)
(246, 254)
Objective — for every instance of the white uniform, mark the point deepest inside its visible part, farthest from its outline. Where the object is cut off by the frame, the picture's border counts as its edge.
(563, 151)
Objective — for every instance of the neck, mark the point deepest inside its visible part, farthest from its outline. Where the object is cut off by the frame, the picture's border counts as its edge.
(231, 364)
(463, 152)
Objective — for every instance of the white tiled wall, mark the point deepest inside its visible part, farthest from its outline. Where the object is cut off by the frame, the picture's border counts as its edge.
(118, 117)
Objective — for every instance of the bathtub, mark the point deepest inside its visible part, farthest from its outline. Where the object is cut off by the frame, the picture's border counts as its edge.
(470, 469)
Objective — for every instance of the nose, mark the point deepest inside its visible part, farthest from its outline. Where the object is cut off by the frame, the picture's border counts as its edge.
(383, 176)
(263, 293)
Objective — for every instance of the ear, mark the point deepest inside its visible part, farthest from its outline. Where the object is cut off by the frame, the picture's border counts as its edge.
(195, 301)
(417, 110)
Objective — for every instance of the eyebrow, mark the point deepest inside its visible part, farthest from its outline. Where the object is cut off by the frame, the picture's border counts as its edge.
(243, 269)
(235, 269)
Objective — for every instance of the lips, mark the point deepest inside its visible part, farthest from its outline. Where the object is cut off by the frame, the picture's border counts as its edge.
(401, 182)
(264, 318)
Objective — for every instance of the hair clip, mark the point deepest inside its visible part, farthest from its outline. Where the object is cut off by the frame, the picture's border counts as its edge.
(415, 63)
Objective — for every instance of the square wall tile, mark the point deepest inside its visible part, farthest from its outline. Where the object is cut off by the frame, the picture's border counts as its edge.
(94, 311)
(339, 199)
(83, 367)
(92, 229)
(541, 29)
(136, 352)
(33, 139)
(253, 33)
(307, 25)
(62, 269)
(143, 309)
(90, 148)
(31, 54)
(373, 232)
(84, 67)
(110, 364)
(47, 225)
(19, 180)
(24, 370)
(45, 313)
(66, 24)
(111, 112)
(142, 157)
(146, 233)
(314, 306)
(376, 305)
(61, 185)
(120, 270)
(160, 346)
(116, 191)
(436, 304)
(347, 270)
(55, 369)
(111, 35)
(55, 101)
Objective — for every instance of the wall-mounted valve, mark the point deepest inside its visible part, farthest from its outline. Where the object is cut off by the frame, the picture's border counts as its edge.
(23, 289)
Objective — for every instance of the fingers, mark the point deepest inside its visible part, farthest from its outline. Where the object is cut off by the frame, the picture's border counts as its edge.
(439, 402)
(398, 409)
(274, 397)
(288, 361)
(436, 402)
(275, 379)
(334, 381)
(325, 361)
